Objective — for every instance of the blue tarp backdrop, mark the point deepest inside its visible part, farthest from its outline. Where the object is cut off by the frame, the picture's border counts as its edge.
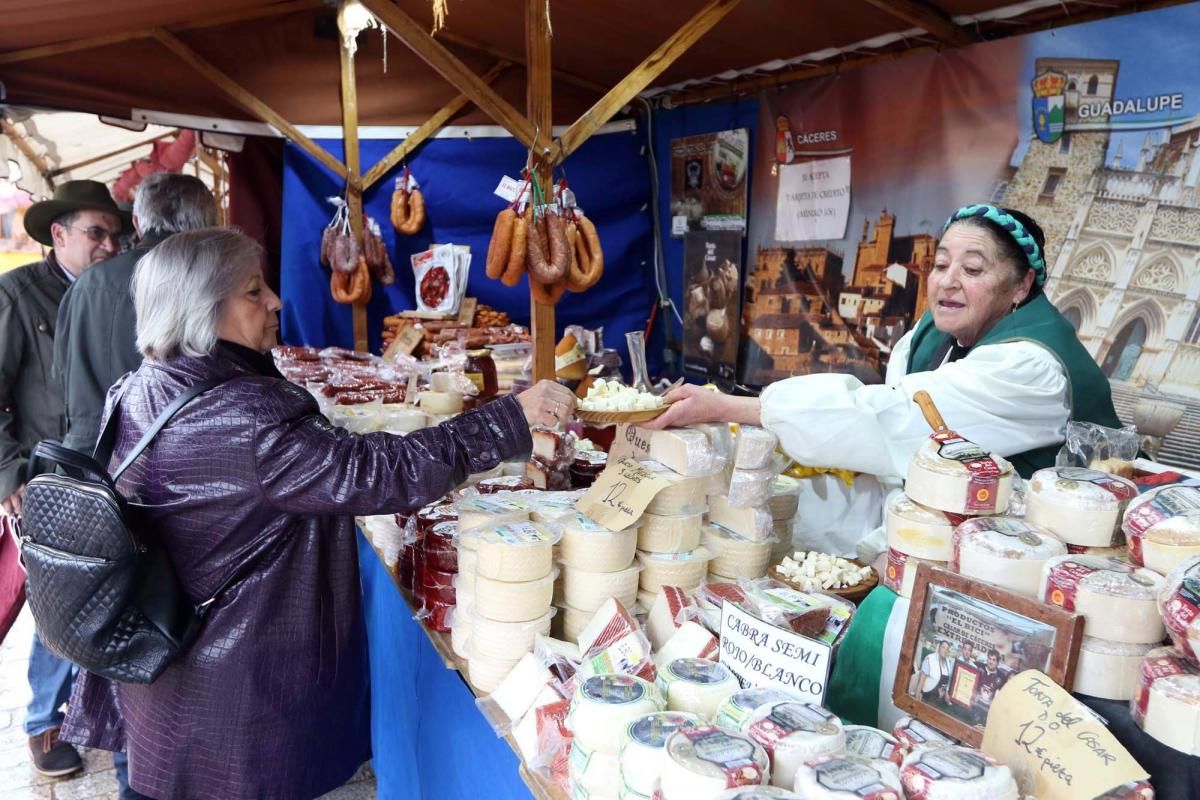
(609, 175)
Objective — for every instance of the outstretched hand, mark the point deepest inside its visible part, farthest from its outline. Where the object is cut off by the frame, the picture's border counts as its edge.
(547, 403)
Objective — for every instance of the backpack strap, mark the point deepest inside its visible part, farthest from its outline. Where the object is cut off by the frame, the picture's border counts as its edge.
(108, 437)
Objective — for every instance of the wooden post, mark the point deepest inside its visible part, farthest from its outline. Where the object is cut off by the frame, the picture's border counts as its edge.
(537, 107)
(354, 186)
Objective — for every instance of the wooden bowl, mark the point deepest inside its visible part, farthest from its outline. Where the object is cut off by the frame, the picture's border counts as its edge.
(619, 417)
(854, 593)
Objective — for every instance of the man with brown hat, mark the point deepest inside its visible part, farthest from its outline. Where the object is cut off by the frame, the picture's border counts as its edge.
(80, 225)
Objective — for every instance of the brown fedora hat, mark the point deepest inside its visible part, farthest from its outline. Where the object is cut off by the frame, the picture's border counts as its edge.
(71, 196)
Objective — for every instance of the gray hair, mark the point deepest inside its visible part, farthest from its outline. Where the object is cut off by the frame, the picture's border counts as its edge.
(166, 203)
(180, 288)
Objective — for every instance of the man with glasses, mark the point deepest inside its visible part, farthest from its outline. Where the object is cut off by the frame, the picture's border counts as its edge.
(80, 225)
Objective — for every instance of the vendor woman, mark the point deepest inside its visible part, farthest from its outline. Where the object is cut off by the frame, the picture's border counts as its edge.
(1004, 367)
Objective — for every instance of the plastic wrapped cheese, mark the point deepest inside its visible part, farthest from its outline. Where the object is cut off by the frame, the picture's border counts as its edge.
(792, 733)
(785, 497)
(703, 762)
(663, 619)
(754, 448)
(950, 773)
(1163, 527)
(695, 685)
(588, 545)
(874, 744)
(758, 793)
(1167, 702)
(460, 632)
(682, 495)
(717, 482)
(505, 641)
(515, 552)
(848, 777)
(642, 748)
(901, 571)
(1081, 506)
(682, 450)
(586, 590)
(496, 509)
(735, 556)
(913, 735)
(750, 487)
(720, 439)
(685, 570)
(669, 534)
(1179, 604)
(1004, 551)
(754, 523)
(737, 708)
(593, 773)
(517, 692)
(486, 674)
(1109, 669)
(505, 601)
(1117, 600)
(692, 640)
(783, 546)
(914, 530)
(604, 705)
(938, 477)
(441, 403)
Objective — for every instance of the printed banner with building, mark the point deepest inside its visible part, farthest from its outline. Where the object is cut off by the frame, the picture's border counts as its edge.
(1088, 129)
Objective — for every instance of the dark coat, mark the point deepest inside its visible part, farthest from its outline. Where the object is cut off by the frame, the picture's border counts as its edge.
(95, 341)
(271, 701)
(31, 406)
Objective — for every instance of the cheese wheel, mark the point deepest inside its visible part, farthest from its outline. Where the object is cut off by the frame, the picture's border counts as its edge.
(737, 708)
(1109, 669)
(717, 483)
(685, 570)
(758, 793)
(682, 450)
(785, 498)
(642, 748)
(735, 556)
(938, 477)
(496, 509)
(750, 487)
(1116, 599)
(442, 403)
(398, 418)
(848, 777)
(669, 534)
(505, 601)
(486, 674)
(695, 686)
(588, 545)
(1179, 604)
(593, 773)
(515, 552)
(782, 546)
(1163, 527)
(754, 522)
(682, 495)
(604, 705)
(505, 641)
(913, 735)
(1167, 703)
(553, 508)
(702, 762)
(950, 773)
(792, 733)
(914, 530)
(901, 571)
(586, 590)
(754, 448)
(1004, 551)
(460, 632)
(874, 744)
(1080, 506)
(720, 439)
(573, 622)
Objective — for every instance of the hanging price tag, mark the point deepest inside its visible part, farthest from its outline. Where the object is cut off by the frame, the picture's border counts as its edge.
(620, 494)
(509, 188)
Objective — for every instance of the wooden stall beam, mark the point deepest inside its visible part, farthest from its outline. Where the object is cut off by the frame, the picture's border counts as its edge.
(928, 18)
(35, 158)
(354, 189)
(641, 77)
(538, 93)
(427, 129)
(435, 54)
(248, 101)
(94, 159)
(559, 75)
(120, 37)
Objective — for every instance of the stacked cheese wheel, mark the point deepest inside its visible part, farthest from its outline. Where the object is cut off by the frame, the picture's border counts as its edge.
(704, 761)
(596, 564)
(513, 585)
(735, 556)
(602, 709)
(440, 403)
(938, 477)
(1005, 551)
(695, 686)
(1082, 507)
(934, 773)
(643, 750)
(1117, 600)
(754, 523)
(682, 496)
(1166, 704)
(792, 733)
(1163, 527)
(753, 472)
(915, 534)
(783, 505)
(1179, 603)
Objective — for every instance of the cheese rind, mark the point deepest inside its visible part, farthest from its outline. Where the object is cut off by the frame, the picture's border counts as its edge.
(1109, 669)
(702, 762)
(1116, 599)
(914, 530)
(1163, 527)
(1081, 506)
(736, 556)
(685, 570)
(946, 773)
(586, 590)
(593, 774)
(513, 602)
(1004, 551)
(757, 793)
(695, 685)
(946, 484)
(754, 523)
(792, 733)
(669, 534)
(847, 777)
(604, 705)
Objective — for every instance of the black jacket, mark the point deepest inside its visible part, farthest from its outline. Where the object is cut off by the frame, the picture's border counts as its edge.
(95, 342)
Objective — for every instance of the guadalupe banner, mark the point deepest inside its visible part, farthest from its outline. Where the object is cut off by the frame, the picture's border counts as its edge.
(1093, 130)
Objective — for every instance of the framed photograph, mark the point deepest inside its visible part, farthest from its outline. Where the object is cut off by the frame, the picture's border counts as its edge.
(964, 640)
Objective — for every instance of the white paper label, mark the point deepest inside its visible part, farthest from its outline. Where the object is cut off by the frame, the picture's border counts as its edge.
(762, 655)
(508, 188)
(679, 225)
(814, 200)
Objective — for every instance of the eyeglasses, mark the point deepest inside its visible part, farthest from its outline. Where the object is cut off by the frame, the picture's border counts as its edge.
(97, 234)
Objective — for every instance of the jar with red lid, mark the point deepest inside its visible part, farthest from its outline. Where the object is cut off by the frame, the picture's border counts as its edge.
(586, 466)
(481, 371)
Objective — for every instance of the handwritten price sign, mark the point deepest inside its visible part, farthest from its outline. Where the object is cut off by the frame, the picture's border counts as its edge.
(1055, 746)
(620, 494)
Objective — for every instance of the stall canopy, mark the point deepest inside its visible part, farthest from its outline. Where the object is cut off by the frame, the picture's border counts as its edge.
(120, 57)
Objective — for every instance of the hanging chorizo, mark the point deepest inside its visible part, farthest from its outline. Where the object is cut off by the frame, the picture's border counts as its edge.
(416, 213)
(589, 257)
(560, 257)
(516, 258)
(501, 245)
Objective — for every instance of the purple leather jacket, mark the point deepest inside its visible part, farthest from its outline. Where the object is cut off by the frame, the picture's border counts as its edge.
(271, 701)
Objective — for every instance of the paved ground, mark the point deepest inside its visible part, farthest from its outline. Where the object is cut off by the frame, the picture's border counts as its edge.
(97, 781)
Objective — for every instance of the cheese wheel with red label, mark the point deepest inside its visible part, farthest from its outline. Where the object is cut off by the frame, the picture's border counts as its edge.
(951, 474)
(1081, 506)
(1117, 600)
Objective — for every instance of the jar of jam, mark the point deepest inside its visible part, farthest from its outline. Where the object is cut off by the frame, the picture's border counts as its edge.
(481, 370)
(587, 465)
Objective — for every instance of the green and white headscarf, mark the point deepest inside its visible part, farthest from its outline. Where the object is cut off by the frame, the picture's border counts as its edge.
(1013, 227)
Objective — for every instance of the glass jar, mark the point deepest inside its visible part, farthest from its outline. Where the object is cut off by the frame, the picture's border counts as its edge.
(481, 371)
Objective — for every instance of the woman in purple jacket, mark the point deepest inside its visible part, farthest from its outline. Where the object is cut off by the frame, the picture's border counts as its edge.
(271, 700)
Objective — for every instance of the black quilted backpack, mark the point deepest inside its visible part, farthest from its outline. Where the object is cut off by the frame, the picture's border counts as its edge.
(103, 594)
